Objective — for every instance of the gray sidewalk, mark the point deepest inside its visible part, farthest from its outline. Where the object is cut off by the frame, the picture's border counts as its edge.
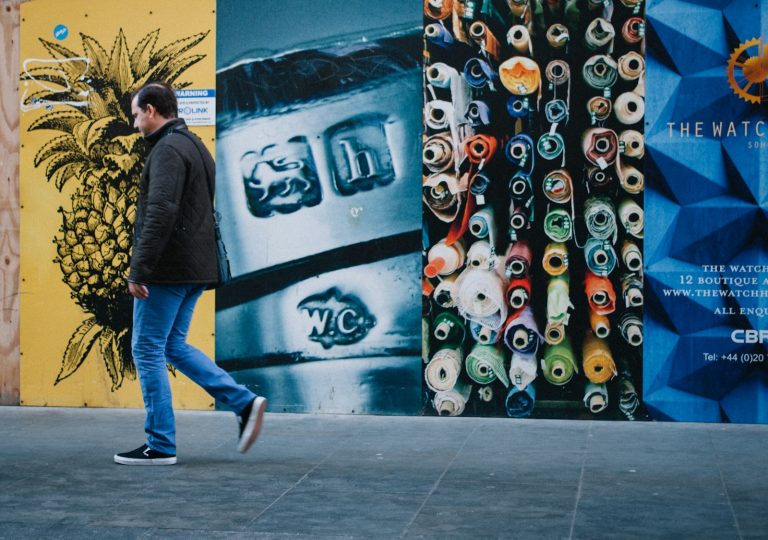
(330, 476)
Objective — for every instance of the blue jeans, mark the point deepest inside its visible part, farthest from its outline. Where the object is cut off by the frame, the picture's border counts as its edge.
(160, 326)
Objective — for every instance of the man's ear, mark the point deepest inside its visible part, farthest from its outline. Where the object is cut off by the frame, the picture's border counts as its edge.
(151, 111)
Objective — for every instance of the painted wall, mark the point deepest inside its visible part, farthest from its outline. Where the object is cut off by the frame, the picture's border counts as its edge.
(80, 164)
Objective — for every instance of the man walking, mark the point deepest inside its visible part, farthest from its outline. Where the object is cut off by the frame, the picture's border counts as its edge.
(173, 260)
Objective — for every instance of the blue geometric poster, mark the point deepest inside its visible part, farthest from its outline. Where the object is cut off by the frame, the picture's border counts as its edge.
(706, 247)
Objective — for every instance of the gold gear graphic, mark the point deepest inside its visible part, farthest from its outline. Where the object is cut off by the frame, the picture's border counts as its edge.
(754, 71)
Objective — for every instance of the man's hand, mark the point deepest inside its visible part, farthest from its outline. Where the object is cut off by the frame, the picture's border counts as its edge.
(138, 291)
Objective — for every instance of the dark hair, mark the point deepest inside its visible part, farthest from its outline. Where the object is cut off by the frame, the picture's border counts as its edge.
(160, 95)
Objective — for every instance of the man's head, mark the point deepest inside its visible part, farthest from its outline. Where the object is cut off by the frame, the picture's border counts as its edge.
(152, 106)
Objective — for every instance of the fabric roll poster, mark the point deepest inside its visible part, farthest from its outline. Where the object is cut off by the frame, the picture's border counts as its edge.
(532, 185)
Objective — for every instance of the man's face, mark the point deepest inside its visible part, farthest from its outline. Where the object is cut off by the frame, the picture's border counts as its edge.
(145, 121)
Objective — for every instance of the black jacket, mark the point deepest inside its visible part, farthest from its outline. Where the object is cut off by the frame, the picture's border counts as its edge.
(174, 232)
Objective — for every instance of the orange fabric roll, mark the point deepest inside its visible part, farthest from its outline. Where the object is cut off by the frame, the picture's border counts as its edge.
(438, 9)
(631, 30)
(516, 300)
(482, 35)
(600, 294)
(480, 147)
(600, 324)
(520, 75)
(598, 363)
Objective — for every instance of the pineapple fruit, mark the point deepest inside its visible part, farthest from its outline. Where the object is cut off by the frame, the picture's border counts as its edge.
(96, 146)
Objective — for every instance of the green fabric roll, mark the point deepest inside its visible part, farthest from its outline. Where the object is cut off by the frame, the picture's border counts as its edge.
(558, 300)
(448, 328)
(485, 364)
(559, 364)
(558, 225)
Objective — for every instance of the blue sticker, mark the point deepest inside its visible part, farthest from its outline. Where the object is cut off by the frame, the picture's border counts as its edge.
(60, 32)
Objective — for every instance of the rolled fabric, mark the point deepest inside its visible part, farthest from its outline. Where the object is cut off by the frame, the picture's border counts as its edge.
(438, 9)
(600, 324)
(520, 187)
(558, 300)
(599, 178)
(598, 363)
(556, 111)
(599, 256)
(595, 397)
(558, 225)
(558, 365)
(439, 35)
(631, 31)
(518, 107)
(444, 293)
(519, 7)
(631, 217)
(439, 115)
(600, 294)
(600, 146)
(479, 184)
(520, 39)
(631, 179)
(520, 75)
(479, 74)
(550, 145)
(479, 148)
(628, 399)
(558, 186)
(554, 333)
(555, 259)
(444, 368)
(520, 403)
(521, 334)
(557, 36)
(443, 195)
(631, 3)
(517, 261)
(634, 145)
(441, 75)
(449, 329)
(599, 108)
(519, 152)
(452, 402)
(519, 294)
(480, 297)
(599, 33)
(483, 225)
(482, 35)
(520, 216)
(632, 256)
(480, 255)
(485, 393)
(632, 290)
(600, 72)
(438, 152)
(522, 370)
(558, 72)
(600, 218)
(483, 334)
(631, 328)
(443, 260)
(631, 66)
(485, 363)
(478, 113)
(629, 108)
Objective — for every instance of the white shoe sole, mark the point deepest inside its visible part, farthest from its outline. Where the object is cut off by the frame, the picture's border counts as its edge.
(253, 427)
(154, 461)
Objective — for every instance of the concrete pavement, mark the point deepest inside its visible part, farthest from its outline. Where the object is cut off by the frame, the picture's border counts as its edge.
(327, 476)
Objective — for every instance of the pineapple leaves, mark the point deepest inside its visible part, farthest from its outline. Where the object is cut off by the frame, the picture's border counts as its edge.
(119, 67)
(110, 352)
(141, 57)
(78, 348)
(62, 143)
(179, 47)
(59, 120)
(96, 53)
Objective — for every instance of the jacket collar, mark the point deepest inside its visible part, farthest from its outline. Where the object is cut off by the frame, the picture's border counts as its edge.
(155, 136)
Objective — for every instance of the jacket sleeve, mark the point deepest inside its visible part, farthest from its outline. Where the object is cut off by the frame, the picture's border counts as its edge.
(167, 176)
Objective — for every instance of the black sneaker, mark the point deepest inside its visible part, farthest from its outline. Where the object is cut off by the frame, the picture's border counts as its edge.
(144, 455)
(250, 421)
